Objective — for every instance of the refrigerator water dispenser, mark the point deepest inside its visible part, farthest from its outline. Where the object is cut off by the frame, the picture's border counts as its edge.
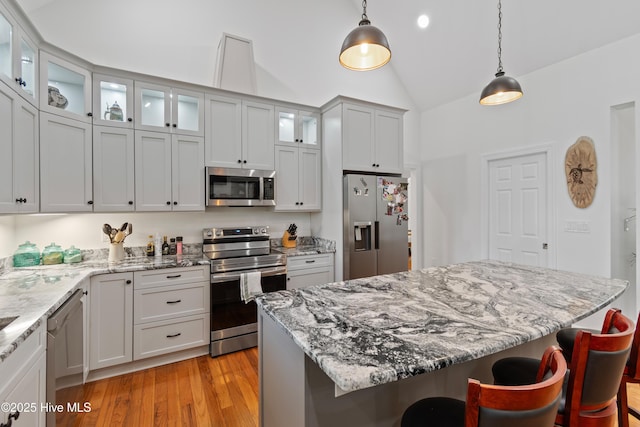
(362, 235)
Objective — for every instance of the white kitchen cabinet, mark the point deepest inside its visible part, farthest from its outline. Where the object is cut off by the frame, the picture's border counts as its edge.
(165, 109)
(372, 139)
(298, 178)
(23, 375)
(65, 165)
(19, 169)
(112, 101)
(309, 270)
(295, 127)
(111, 315)
(66, 88)
(239, 133)
(18, 57)
(113, 169)
(169, 172)
(171, 310)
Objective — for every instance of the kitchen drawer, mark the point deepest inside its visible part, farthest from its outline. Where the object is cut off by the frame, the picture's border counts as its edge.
(168, 336)
(308, 261)
(160, 303)
(170, 276)
(309, 276)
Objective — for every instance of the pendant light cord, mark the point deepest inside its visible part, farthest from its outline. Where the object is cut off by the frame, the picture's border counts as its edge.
(499, 36)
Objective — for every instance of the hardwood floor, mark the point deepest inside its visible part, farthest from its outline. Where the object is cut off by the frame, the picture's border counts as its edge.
(205, 391)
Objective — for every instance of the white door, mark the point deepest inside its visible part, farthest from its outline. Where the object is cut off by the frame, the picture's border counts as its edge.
(518, 210)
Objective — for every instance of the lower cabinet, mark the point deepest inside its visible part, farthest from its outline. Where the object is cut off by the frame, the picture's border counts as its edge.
(308, 270)
(23, 382)
(171, 310)
(111, 318)
(143, 314)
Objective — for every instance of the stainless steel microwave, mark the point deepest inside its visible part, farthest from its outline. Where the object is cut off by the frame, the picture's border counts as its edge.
(240, 187)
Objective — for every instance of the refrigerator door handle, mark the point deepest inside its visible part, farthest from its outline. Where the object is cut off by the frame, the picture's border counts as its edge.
(377, 234)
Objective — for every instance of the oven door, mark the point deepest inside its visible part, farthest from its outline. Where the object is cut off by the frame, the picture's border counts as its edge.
(232, 317)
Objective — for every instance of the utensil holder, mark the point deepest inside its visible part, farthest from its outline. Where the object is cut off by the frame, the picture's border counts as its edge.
(116, 252)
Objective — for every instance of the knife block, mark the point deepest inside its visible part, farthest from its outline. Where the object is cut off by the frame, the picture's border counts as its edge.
(288, 241)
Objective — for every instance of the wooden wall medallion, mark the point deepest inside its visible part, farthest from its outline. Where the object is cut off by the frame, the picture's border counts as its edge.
(580, 166)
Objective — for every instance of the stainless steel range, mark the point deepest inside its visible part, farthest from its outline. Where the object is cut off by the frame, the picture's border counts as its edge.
(234, 251)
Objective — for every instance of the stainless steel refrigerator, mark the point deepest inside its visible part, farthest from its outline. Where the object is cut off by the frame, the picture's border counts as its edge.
(375, 225)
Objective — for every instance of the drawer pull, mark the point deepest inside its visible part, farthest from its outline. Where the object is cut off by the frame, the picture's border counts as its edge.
(310, 261)
(174, 335)
(175, 276)
(174, 302)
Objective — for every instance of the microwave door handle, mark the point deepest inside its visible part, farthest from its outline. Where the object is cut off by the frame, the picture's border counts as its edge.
(261, 189)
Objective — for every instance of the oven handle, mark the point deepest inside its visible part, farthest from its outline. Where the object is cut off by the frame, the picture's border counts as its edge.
(235, 275)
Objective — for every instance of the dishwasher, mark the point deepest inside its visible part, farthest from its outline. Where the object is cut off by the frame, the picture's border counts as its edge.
(65, 345)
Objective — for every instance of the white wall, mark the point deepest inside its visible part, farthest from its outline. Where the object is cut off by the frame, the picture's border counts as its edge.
(560, 103)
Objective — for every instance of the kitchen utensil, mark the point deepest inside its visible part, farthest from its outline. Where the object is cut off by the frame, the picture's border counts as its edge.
(119, 237)
(124, 226)
(106, 229)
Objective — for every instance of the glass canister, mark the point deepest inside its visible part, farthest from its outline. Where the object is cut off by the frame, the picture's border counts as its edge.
(52, 254)
(72, 255)
(26, 255)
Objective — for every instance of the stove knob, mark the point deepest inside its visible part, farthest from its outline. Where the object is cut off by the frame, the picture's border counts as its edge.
(218, 233)
(209, 233)
(263, 230)
(255, 231)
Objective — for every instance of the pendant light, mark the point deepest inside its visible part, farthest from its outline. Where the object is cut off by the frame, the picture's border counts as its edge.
(502, 89)
(366, 47)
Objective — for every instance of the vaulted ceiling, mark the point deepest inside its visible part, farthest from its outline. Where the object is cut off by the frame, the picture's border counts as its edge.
(455, 56)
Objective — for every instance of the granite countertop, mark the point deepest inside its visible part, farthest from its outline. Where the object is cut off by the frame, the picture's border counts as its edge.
(375, 330)
(34, 293)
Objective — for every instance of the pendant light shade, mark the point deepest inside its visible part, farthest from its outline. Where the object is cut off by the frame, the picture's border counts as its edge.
(366, 47)
(502, 89)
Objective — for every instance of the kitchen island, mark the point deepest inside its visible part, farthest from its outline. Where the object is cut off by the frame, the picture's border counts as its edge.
(360, 352)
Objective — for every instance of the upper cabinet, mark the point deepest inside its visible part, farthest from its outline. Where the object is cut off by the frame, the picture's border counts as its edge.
(372, 139)
(112, 101)
(297, 127)
(66, 88)
(19, 170)
(18, 58)
(239, 133)
(164, 109)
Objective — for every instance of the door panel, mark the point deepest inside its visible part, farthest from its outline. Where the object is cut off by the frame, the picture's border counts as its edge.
(518, 209)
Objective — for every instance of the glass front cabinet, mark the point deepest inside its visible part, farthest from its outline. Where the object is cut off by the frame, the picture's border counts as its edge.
(160, 108)
(18, 58)
(297, 127)
(68, 88)
(112, 101)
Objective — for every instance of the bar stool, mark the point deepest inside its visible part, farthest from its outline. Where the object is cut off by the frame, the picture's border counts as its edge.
(533, 405)
(595, 372)
(631, 375)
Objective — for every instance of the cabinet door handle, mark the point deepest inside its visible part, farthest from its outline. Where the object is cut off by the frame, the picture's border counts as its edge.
(174, 302)
(90, 114)
(175, 125)
(90, 202)
(175, 203)
(310, 261)
(175, 276)
(168, 203)
(244, 161)
(239, 161)
(131, 202)
(174, 335)
(167, 124)
(128, 282)
(129, 119)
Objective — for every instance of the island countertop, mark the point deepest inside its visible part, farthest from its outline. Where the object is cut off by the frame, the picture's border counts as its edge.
(376, 330)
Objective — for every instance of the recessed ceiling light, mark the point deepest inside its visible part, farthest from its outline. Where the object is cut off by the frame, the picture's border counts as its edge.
(423, 21)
